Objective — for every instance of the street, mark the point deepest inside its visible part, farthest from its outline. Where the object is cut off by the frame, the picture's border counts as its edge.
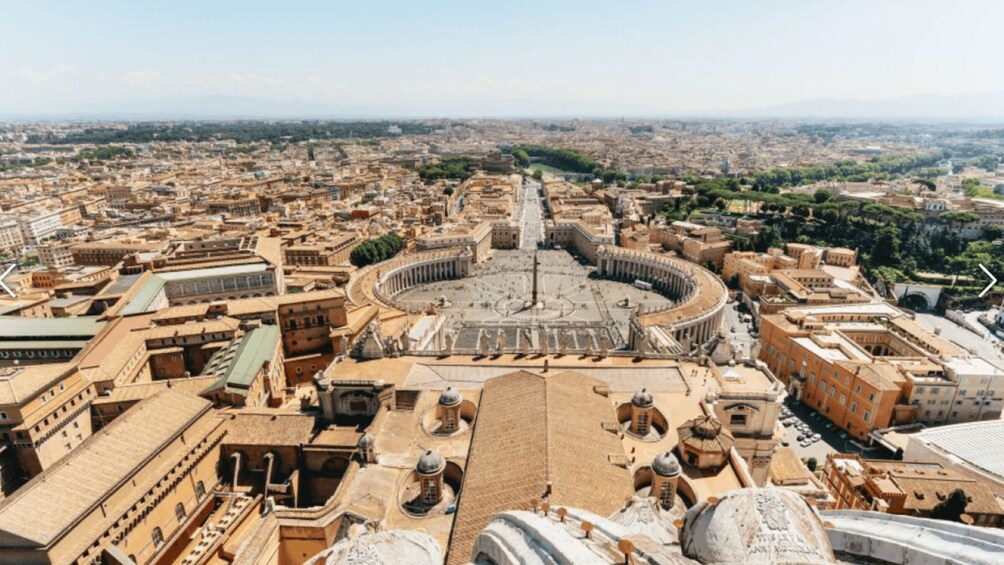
(531, 215)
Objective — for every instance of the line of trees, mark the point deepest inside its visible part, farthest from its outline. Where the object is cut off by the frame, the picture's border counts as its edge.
(376, 250)
(560, 158)
(240, 131)
(850, 170)
(451, 167)
(104, 153)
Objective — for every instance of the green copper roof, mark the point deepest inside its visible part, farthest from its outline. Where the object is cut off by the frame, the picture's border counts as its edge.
(237, 365)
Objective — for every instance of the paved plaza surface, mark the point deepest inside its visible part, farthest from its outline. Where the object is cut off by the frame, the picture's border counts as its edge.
(498, 294)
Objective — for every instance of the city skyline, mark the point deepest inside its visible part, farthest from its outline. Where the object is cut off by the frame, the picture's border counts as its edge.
(602, 59)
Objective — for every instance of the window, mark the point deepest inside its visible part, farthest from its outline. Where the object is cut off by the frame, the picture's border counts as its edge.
(920, 390)
(200, 490)
(868, 416)
(871, 397)
(450, 421)
(3, 416)
(179, 512)
(158, 537)
(934, 391)
(666, 493)
(737, 419)
(429, 491)
(643, 423)
(854, 407)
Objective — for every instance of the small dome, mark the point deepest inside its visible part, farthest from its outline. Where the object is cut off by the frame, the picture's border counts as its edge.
(666, 465)
(706, 427)
(450, 397)
(642, 399)
(366, 442)
(430, 463)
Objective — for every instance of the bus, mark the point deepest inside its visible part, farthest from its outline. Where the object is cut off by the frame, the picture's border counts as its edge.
(643, 285)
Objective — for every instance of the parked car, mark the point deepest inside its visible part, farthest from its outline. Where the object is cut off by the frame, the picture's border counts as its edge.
(800, 437)
(816, 437)
(784, 443)
(805, 443)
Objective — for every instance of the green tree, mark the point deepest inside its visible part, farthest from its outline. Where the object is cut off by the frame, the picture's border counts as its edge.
(961, 218)
(376, 250)
(766, 238)
(885, 251)
(448, 191)
(538, 174)
(822, 195)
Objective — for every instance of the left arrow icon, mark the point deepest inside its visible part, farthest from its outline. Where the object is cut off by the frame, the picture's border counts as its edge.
(3, 276)
(993, 281)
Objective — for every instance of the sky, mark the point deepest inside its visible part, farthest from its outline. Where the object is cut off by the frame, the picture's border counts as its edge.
(474, 58)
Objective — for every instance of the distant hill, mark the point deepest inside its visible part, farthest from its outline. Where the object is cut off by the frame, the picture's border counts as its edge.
(987, 106)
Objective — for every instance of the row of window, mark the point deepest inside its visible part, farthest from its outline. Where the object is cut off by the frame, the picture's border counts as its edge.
(32, 353)
(157, 535)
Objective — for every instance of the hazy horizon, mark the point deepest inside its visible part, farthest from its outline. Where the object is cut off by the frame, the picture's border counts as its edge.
(786, 59)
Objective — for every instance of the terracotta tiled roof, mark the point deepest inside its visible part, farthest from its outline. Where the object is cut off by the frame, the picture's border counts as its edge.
(270, 428)
(533, 432)
(50, 505)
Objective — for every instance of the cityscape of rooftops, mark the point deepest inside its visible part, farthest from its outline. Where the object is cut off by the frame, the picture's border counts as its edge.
(523, 283)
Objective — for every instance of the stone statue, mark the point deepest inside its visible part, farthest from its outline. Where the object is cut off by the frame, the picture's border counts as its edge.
(562, 342)
(483, 344)
(604, 344)
(526, 342)
(449, 343)
(500, 342)
(544, 339)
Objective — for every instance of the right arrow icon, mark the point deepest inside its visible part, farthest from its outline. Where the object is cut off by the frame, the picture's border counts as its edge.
(993, 281)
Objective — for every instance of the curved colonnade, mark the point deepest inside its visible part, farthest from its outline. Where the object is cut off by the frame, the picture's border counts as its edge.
(378, 284)
(700, 295)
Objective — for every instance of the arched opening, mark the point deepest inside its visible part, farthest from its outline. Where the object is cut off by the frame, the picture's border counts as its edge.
(432, 423)
(643, 486)
(657, 426)
(916, 302)
(334, 467)
(453, 477)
